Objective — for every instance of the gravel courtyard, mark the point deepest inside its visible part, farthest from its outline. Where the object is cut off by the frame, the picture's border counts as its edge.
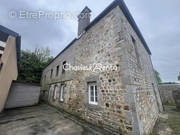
(39, 120)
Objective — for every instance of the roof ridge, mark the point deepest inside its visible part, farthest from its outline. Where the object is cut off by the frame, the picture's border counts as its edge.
(127, 14)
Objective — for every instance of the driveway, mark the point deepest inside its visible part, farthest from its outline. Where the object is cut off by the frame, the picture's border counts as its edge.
(39, 120)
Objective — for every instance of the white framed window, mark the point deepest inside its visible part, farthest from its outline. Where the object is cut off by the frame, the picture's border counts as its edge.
(93, 95)
(61, 97)
(55, 92)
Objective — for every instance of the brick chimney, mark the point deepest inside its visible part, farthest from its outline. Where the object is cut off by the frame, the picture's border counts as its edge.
(83, 20)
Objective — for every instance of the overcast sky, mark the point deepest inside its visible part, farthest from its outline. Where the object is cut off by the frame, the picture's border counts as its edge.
(158, 20)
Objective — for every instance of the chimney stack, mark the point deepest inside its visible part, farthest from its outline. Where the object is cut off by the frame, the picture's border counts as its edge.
(83, 20)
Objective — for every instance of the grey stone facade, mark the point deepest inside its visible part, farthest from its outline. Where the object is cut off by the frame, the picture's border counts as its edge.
(128, 98)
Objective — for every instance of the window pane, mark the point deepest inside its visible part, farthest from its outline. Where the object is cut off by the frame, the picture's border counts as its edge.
(92, 92)
(96, 94)
(92, 99)
(96, 91)
(96, 99)
(93, 95)
(92, 88)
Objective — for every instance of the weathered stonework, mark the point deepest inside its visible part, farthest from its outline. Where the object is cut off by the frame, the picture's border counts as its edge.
(176, 95)
(128, 99)
(166, 91)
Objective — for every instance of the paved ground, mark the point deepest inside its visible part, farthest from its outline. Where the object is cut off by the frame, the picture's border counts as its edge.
(39, 120)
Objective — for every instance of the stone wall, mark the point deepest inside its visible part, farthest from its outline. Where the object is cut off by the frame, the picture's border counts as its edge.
(142, 84)
(166, 92)
(128, 98)
(176, 96)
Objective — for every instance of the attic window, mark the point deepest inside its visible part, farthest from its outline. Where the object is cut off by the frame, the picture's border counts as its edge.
(64, 67)
(51, 73)
(57, 70)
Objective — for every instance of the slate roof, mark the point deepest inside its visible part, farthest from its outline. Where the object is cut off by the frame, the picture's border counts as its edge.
(127, 14)
(4, 33)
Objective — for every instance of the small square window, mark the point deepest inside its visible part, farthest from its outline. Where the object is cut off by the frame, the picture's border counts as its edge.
(93, 94)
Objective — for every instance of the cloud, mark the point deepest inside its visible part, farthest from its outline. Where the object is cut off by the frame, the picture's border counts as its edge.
(34, 32)
(158, 21)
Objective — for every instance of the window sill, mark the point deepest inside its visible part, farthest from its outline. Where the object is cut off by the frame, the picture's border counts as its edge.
(92, 103)
(61, 101)
(93, 106)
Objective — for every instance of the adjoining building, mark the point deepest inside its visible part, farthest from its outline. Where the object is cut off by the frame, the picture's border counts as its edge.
(124, 100)
(10, 44)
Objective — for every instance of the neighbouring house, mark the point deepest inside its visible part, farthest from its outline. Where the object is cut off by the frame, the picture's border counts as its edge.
(10, 43)
(122, 100)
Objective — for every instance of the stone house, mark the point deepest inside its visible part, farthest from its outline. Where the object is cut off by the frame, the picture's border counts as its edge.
(124, 100)
(10, 44)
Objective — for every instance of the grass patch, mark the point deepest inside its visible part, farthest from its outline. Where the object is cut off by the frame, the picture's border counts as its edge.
(170, 104)
(173, 119)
